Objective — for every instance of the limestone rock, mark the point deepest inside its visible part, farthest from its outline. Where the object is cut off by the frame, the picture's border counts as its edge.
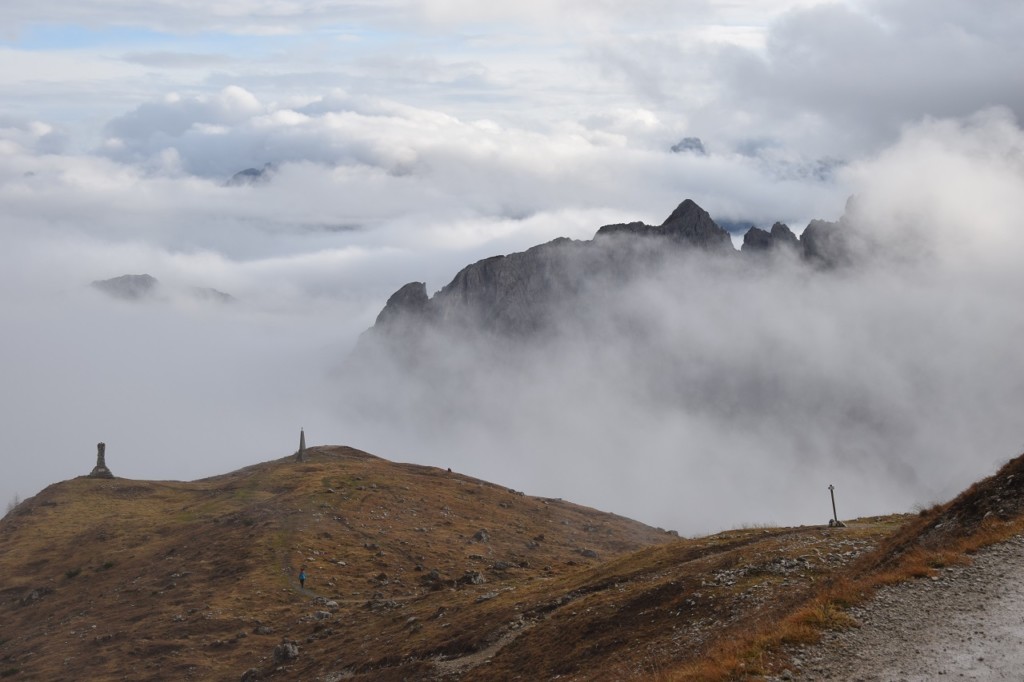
(286, 651)
(688, 224)
(825, 244)
(532, 292)
(472, 578)
(410, 301)
(757, 240)
(781, 234)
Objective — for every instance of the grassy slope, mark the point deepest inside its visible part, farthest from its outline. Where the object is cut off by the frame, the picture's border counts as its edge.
(161, 580)
(158, 579)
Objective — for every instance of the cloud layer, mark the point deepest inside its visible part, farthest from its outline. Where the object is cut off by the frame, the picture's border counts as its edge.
(708, 394)
(404, 140)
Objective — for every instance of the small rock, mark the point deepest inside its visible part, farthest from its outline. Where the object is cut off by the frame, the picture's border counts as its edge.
(286, 651)
(472, 578)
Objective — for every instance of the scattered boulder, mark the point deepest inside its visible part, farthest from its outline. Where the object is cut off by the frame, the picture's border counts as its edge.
(472, 578)
(286, 651)
(35, 595)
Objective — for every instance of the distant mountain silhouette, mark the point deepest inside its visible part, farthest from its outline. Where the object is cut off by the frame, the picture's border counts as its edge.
(252, 176)
(523, 293)
(130, 287)
(144, 287)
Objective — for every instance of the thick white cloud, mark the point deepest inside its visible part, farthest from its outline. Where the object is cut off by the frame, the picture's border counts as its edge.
(892, 373)
(708, 394)
(857, 75)
(279, 16)
(408, 139)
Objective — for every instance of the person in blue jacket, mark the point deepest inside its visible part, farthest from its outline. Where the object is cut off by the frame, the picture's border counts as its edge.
(302, 577)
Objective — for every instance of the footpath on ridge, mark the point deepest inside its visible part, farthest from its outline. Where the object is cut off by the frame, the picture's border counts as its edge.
(965, 623)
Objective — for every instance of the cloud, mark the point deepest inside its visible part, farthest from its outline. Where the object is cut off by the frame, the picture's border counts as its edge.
(34, 136)
(709, 393)
(858, 74)
(400, 159)
(280, 16)
(710, 380)
(176, 60)
(412, 138)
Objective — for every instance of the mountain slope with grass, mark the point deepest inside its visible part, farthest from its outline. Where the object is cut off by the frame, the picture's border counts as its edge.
(421, 573)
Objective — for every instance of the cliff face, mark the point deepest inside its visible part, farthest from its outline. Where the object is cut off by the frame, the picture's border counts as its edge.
(524, 293)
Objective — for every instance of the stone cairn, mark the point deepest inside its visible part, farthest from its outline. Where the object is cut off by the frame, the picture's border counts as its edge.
(300, 454)
(101, 470)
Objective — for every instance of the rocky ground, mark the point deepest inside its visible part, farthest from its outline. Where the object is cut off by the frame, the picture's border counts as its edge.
(965, 623)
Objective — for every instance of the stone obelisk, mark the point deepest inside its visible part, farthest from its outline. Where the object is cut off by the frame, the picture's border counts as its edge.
(101, 470)
(301, 454)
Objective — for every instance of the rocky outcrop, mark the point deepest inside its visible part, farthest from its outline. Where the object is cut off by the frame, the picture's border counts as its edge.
(411, 301)
(689, 224)
(525, 293)
(780, 237)
(825, 243)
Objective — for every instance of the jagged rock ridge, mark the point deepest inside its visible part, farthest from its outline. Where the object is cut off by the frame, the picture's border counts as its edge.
(521, 293)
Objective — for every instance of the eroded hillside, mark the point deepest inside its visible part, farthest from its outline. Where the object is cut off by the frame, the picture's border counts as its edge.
(421, 573)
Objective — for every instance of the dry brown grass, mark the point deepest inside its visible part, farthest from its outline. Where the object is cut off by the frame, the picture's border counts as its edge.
(988, 512)
(161, 580)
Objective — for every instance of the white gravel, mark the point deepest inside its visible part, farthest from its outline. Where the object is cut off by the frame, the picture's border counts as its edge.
(968, 624)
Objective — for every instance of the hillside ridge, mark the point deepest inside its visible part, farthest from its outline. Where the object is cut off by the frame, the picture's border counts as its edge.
(418, 572)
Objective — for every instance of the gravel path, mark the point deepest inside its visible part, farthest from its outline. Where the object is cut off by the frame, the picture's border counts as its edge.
(968, 623)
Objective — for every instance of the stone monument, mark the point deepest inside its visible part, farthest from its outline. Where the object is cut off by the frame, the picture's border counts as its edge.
(101, 470)
(300, 454)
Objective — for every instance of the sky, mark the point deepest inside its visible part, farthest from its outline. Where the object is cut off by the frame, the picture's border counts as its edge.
(403, 140)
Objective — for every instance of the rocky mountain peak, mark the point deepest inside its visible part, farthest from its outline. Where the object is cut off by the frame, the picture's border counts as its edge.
(691, 223)
(780, 236)
(526, 292)
(410, 300)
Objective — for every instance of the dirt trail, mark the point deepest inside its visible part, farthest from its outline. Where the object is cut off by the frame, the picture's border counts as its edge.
(968, 623)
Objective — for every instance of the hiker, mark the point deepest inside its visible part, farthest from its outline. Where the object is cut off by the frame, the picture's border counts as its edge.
(302, 578)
